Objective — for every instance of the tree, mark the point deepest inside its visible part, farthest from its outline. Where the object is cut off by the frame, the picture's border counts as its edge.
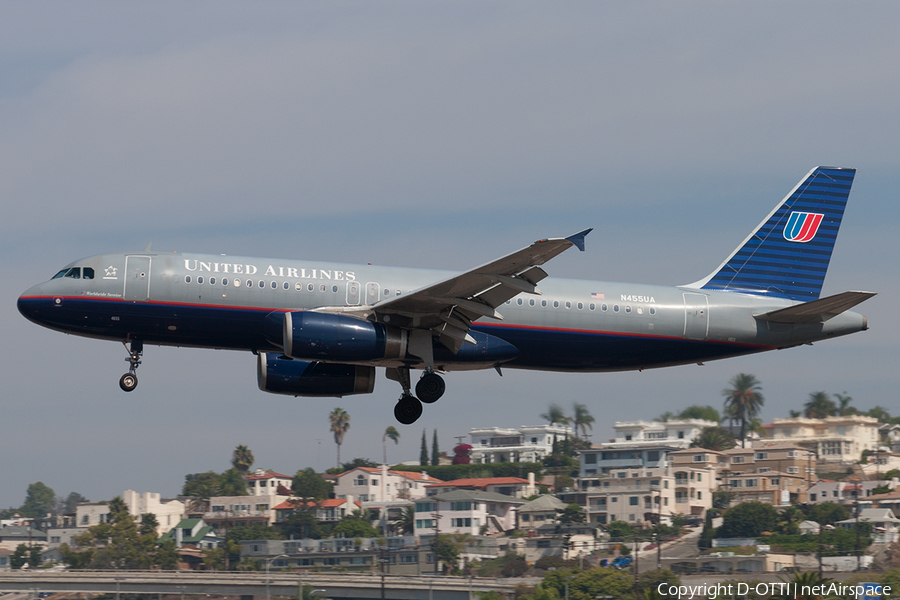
(232, 483)
(827, 513)
(116, 507)
(242, 458)
(714, 438)
(819, 406)
(390, 433)
(590, 583)
(555, 415)
(743, 400)
(69, 504)
(461, 454)
(789, 520)
(25, 554)
(40, 501)
(358, 462)
(570, 514)
(310, 485)
(339, 423)
(844, 408)
(423, 451)
(747, 520)
(435, 451)
(707, 413)
(149, 525)
(201, 485)
(582, 419)
(355, 527)
(405, 523)
(304, 523)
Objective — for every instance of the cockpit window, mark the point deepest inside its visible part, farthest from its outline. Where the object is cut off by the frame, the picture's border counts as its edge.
(74, 273)
(60, 274)
(87, 273)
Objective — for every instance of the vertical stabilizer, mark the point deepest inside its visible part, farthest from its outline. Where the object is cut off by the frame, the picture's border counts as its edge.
(787, 255)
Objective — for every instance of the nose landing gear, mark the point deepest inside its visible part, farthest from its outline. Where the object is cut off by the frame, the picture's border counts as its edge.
(129, 380)
(428, 389)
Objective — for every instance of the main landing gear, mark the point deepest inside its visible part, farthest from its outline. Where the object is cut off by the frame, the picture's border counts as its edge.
(429, 388)
(129, 380)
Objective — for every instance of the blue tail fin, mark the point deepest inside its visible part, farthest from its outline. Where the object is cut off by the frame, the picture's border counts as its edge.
(787, 255)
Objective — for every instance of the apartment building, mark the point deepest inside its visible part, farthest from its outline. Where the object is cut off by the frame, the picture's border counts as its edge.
(846, 492)
(791, 459)
(466, 511)
(524, 444)
(506, 486)
(834, 439)
(266, 483)
(226, 512)
(640, 444)
(771, 487)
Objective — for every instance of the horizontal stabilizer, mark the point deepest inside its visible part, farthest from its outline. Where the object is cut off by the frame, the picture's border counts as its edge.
(816, 311)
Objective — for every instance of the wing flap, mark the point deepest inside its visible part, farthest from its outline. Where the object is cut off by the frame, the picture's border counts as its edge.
(816, 311)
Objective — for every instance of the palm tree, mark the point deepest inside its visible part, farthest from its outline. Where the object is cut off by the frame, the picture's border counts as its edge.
(339, 419)
(242, 458)
(583, 419)
(406, 521)
(845, 409)
(743, 400)
(819, 406)
(714, 438)
(555, 415)
(389, 433)
(233, 483)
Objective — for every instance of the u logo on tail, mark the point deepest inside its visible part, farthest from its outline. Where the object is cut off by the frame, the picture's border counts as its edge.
(802, 226)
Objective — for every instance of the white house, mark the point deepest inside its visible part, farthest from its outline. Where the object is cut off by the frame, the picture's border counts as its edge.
(466, 511)
(167, 512)
(835, 439)
(369, 484)
(266, 483)
(886, 527)
(525, 444)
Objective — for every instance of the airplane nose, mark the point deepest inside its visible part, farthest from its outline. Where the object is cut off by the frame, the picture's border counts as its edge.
(28, 303)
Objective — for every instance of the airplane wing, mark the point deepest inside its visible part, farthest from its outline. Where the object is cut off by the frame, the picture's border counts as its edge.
(816, 311)
(448, 308)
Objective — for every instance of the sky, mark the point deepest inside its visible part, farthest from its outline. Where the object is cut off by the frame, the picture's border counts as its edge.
(439, 135)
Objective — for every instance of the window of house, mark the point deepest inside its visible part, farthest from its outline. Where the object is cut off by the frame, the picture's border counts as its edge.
(633, 501)
(680, 435)
(752, 483)
(762, 456)
(590, 459)
(793, 469)
(737, 460)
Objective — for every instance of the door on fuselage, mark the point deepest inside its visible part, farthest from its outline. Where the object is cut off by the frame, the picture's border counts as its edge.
(353, 293)
(696, 316)
(373, 290)
(137, 278)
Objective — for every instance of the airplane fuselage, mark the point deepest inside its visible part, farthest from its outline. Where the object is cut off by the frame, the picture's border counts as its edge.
(217, 301)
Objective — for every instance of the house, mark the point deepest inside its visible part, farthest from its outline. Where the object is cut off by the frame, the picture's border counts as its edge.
(226, 512)
(809, 528)
(466, 511)
(194, 533)
(881, 462)
(766, 456)
(772, 487)
(640, 444)
(13, 535)
(525, 444)
(506, 486)
(846, 492)
(327, 511)
(539, 511)
(167, 512)
(88, 514)
(886, 527)
(267, 483)
(834, 439)
(371, 484)
(5, 555)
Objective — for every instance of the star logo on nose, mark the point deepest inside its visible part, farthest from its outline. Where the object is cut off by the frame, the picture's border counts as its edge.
(110, 272)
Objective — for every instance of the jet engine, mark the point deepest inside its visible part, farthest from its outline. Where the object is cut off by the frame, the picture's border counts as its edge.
(282, 375)
(324, 336)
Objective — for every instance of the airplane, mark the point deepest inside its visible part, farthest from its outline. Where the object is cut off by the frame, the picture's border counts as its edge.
(321, 329)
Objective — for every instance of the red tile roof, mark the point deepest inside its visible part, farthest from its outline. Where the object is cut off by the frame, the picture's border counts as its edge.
(414, 475)
(330, 503)
(481, 482)
(268, 475)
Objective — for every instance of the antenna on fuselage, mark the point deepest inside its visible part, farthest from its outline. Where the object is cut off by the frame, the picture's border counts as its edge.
(147, 249)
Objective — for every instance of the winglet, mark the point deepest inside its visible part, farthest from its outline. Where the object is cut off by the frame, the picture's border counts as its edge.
(578, 238)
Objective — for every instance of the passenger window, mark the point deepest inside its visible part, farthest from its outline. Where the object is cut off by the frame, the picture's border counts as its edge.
(310, 287)
(87, 273)
(580, 305)
(224, 281)
(387, 292)
(334, 289)
(74, 273)
(556, 304)
(519, 302)
(287, 286)
(543, 304)
(237, 282)
(652, 311)
(212, 281)
(187, 278)
(531, 302)
(398, 292)
(640, 310)
(568, 305)
(274, 285)
(262, 283)
(199, 279)
(322, 288)
(298, 286)
(591, 306)
(615, 308)
(628, 309)
(249, 283)
(603, 307)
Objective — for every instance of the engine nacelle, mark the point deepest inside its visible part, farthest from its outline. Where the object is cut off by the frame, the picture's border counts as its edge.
(325, 336)
(279, 375)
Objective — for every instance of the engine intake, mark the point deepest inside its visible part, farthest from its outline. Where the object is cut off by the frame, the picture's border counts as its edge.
(325, 336)
(281, 375)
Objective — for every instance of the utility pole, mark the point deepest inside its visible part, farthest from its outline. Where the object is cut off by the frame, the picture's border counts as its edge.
(637, 569)
(437, 532)
(659, 526)
(858, 555)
